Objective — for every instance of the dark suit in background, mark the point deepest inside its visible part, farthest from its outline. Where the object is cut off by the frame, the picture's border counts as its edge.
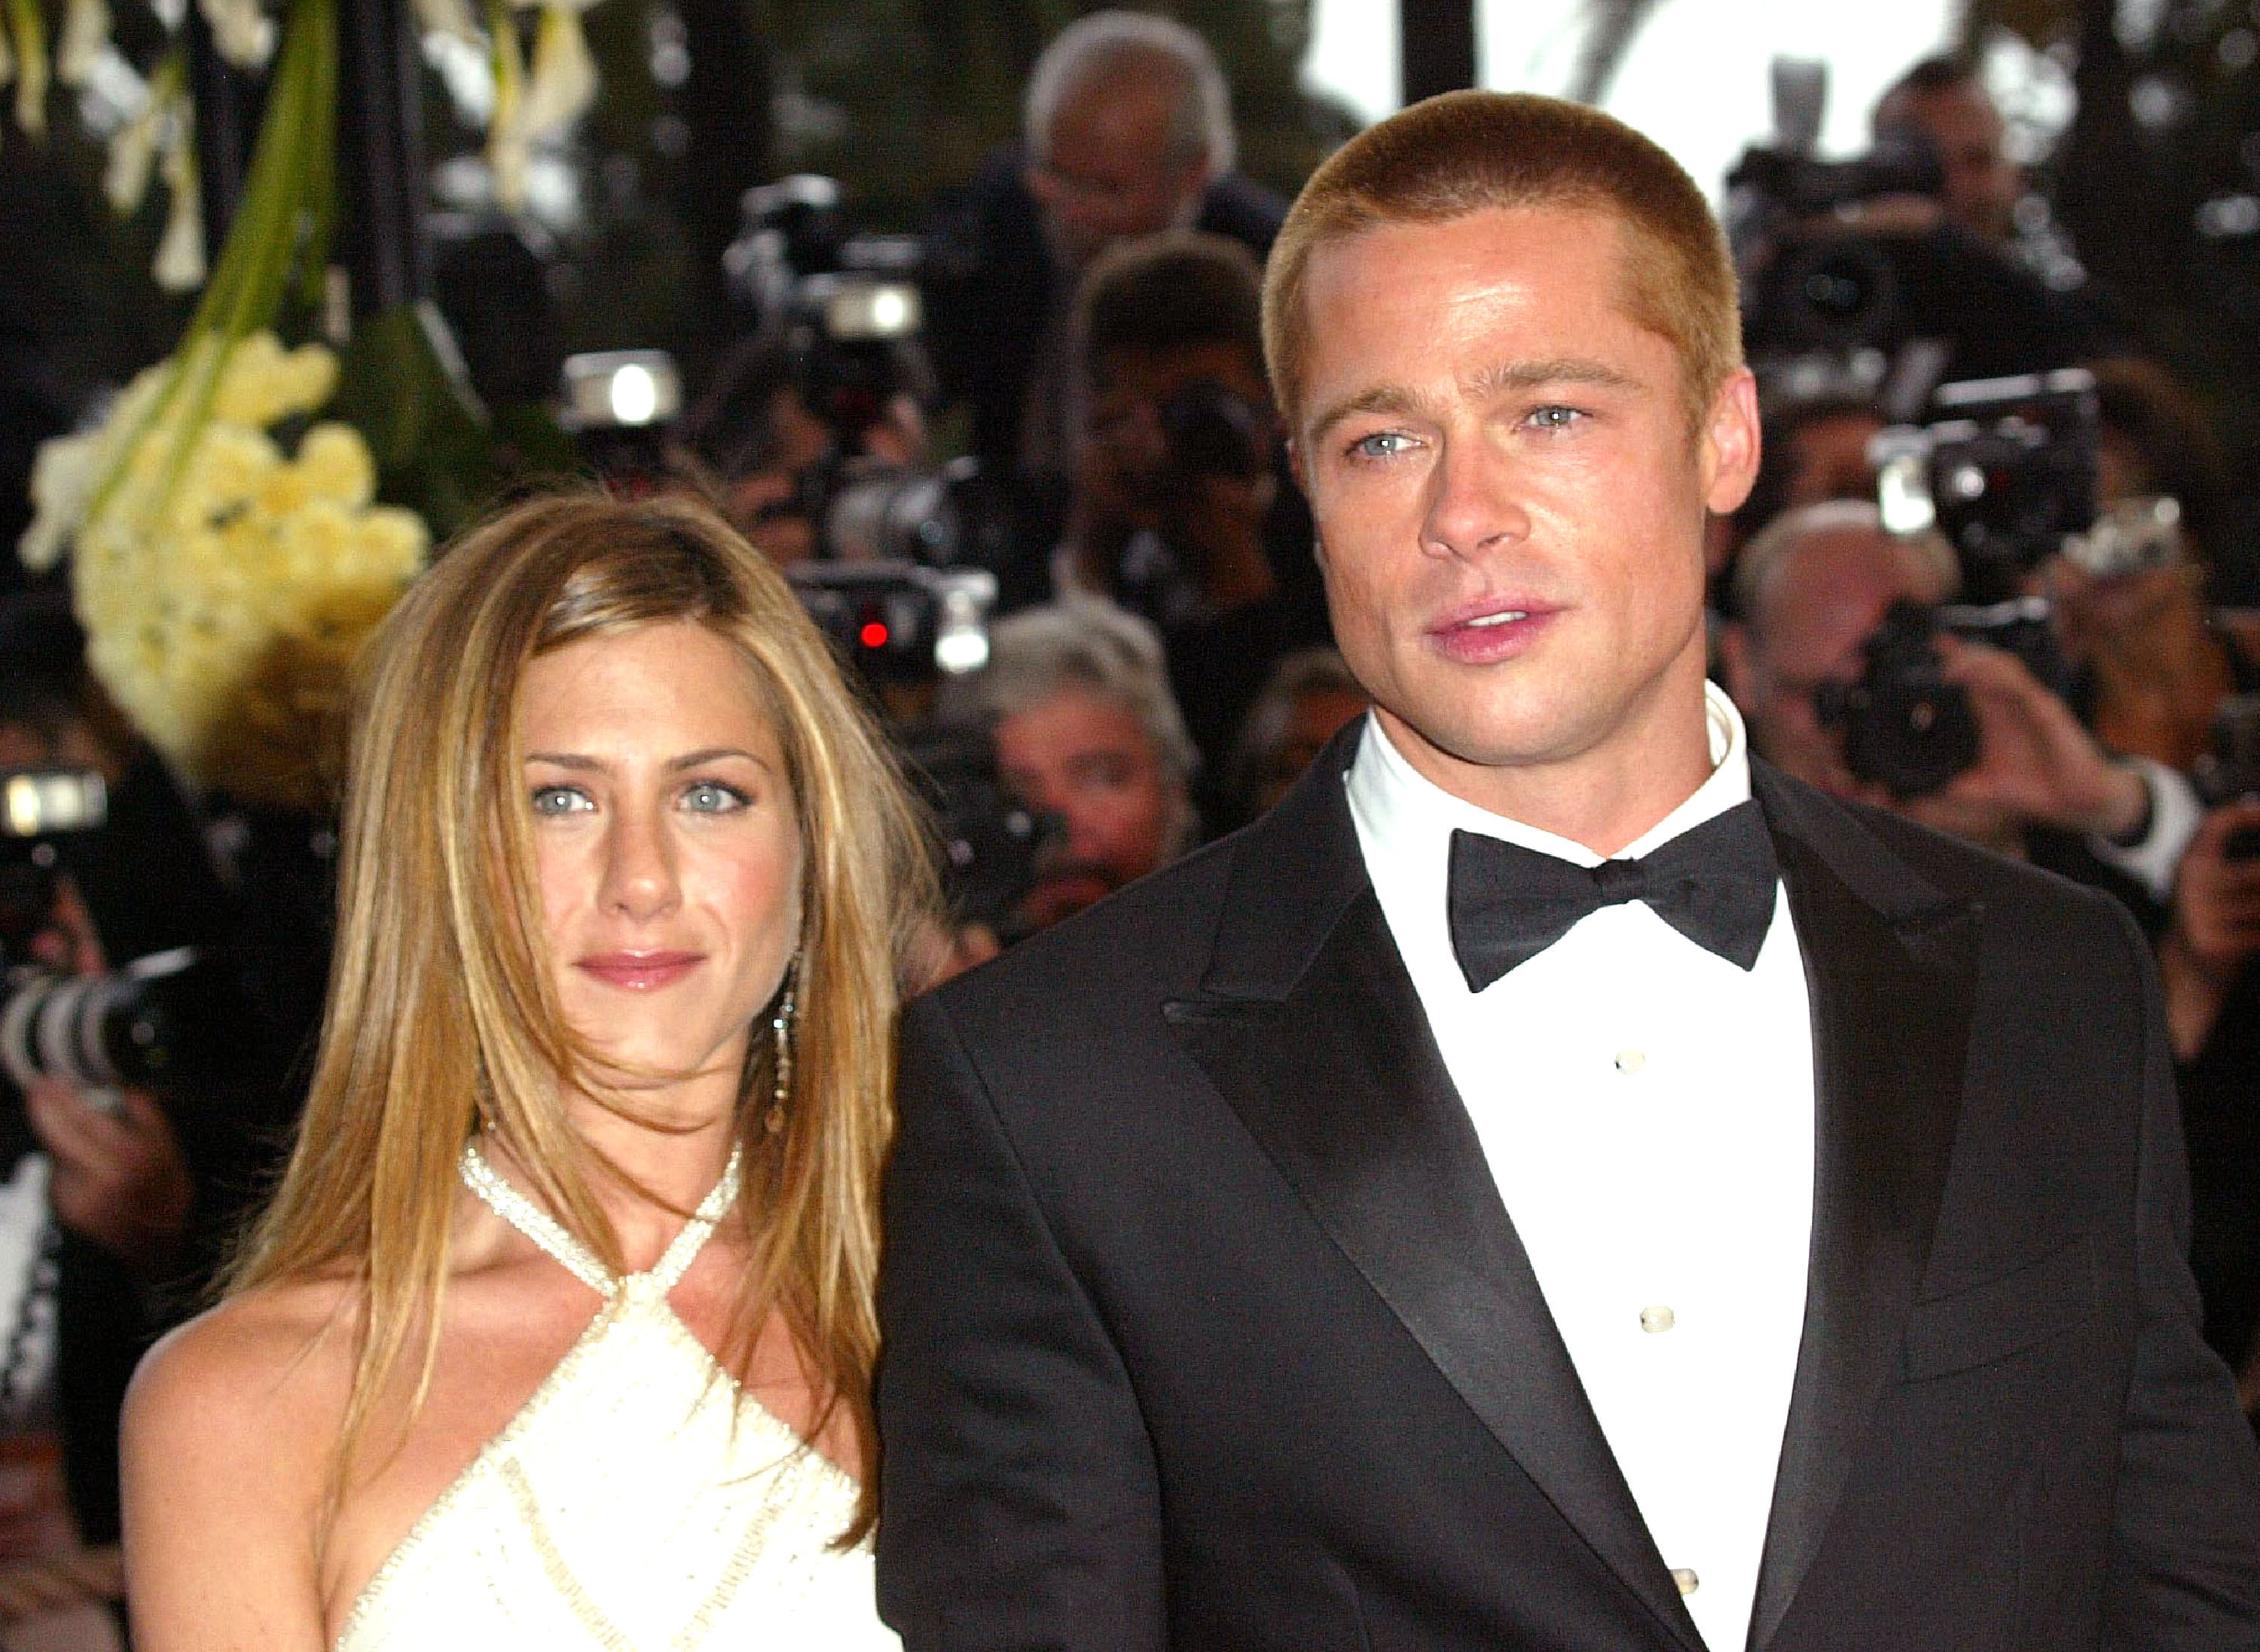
(1206, 1327)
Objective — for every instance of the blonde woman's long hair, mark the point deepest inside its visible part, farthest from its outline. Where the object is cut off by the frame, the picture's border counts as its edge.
(442, 1016)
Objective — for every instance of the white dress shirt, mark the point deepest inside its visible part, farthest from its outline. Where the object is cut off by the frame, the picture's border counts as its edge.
(1646, 1109)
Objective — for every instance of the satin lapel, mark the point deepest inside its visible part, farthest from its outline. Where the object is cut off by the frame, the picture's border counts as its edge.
(1311, 1031)
(1889, 964)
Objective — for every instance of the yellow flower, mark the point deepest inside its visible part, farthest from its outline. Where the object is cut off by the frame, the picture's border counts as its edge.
(333, 463)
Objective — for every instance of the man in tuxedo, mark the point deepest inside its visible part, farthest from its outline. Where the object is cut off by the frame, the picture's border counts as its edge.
(1552, 1183)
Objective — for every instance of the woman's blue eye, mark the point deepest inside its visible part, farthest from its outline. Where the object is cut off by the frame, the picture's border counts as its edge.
(559, 800)
(712, 797)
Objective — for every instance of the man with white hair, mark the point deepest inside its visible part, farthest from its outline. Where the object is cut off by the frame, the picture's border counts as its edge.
(1077, 697)
(1812, 588)
(1127, 131)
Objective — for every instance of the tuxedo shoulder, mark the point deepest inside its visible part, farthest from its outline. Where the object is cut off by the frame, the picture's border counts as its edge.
(1954, 870)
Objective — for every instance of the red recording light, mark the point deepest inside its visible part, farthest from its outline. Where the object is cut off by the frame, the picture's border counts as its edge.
(874, 634)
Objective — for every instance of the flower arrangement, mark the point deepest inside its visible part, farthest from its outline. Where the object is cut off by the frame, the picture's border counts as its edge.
(225, 582)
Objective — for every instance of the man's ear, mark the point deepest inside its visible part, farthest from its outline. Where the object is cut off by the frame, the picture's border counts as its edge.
(1730, 443)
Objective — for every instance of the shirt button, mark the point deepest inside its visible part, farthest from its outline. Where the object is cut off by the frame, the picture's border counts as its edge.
(1657, 1319)
(1685, 1578)
(1631, 1061)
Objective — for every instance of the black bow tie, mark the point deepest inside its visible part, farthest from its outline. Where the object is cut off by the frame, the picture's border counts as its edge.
(1714, 883)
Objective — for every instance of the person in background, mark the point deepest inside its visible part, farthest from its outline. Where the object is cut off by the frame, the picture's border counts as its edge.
(1127, 131)
(1087, 734)
(1942, 100)
(115, 1203)
(1813, 587)
(1305, 701)
(2155, 658)
(1184, 510)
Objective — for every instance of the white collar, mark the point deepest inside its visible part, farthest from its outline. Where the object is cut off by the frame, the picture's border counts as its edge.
(1406, 813)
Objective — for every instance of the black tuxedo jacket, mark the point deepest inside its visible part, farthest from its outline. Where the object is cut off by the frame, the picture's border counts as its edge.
(1205, 1327)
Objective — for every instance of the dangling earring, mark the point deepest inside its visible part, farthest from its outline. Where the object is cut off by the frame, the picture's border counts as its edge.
(781, 1050)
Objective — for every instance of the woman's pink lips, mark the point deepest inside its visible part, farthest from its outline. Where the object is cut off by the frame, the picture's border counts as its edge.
(639, 971)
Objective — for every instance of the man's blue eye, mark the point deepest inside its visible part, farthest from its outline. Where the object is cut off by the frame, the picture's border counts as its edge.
(1382, 445)
(1555, 417)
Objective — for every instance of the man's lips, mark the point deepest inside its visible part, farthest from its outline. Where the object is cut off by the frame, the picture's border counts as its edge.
(1491, 629)
(638, 971)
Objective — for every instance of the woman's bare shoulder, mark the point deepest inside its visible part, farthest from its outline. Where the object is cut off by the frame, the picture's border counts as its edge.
(273, 1366)
(228, 1428)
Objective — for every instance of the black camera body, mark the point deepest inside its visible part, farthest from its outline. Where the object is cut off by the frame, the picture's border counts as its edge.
(1210, 431)
(898, 624)
(1832, 290)
(1905, 726)
(2008, 474)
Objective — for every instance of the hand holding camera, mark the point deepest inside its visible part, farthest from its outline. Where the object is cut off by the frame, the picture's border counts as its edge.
(2216, 921)
(120, 1180)
(2034, 764)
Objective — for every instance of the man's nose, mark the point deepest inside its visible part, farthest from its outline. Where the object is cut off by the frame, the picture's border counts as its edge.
(1473, 500)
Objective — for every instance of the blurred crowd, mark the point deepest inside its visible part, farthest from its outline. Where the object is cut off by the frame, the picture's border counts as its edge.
(1978, 584)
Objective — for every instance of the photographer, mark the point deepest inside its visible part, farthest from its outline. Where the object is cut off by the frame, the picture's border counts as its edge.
(1182, 511)
(2213, 1006)
(2154, 658)
(1813, 592)
(1127, 132)
(1086, 734)
(1915, 244)
(114, 1201)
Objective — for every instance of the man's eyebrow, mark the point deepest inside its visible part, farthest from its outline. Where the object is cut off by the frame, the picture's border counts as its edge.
(1380, 398)
(1566, 369)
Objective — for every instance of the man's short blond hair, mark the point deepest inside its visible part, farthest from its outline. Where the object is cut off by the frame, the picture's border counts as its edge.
(1471, 151)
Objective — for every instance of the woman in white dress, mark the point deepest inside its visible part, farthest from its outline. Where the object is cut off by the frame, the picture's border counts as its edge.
(559, 1329)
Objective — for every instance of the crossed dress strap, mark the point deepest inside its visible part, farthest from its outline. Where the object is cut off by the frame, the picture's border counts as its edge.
(537, 1225)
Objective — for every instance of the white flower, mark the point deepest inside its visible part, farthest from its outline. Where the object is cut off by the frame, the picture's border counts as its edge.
(244, 33)
(62, 481)
(86, 32)
(563, 83)
(450, 17)
(180, 263)
(133, 152)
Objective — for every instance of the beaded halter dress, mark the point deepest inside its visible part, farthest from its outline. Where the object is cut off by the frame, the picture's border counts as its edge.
(639, 1499)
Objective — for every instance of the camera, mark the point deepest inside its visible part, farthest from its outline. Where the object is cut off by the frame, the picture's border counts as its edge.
(1208, 431)
(990, 841)
(2230, 766)
(897, 624)
(617, 406)
(153, 1024)
(846, 313)
(1831, 290)
(1905, 728)
(2008, 476)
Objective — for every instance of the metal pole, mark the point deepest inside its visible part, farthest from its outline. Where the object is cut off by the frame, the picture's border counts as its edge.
(381, 244)
(1439, 45)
